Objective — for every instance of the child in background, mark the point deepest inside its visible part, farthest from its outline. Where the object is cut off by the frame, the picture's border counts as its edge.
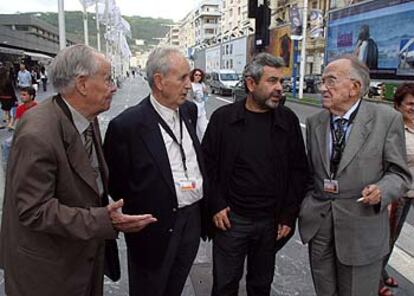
(27, 96)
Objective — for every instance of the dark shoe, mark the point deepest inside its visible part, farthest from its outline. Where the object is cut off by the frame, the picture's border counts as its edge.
(384, 291)
(391, 282)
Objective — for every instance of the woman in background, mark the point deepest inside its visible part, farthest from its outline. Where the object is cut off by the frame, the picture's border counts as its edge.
(7, 96)
(198, 95)
(398, 210)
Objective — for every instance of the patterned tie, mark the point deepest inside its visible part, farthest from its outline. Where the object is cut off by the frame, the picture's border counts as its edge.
(339, 130)
(88, 137)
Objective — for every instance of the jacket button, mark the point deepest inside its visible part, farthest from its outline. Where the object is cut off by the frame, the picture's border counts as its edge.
(174, 209)
(170, 230)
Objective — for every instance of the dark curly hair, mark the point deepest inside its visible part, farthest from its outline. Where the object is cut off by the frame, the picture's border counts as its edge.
(403, 90)
(194, 71)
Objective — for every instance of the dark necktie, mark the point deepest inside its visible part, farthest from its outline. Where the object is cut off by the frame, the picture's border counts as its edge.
(88, 140)
(339, 129)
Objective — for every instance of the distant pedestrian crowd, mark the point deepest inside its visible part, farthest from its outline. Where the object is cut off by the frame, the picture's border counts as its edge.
(166, 176)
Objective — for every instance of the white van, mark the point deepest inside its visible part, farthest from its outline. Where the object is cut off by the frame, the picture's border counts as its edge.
(222, 81)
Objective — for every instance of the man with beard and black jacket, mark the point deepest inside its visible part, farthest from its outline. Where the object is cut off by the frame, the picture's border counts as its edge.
(256, 172)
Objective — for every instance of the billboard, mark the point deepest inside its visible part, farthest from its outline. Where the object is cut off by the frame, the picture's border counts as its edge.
(281, 46)
(380, 33)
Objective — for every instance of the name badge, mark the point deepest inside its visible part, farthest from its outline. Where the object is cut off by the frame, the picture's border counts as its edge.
(331, 186)
(186, 185)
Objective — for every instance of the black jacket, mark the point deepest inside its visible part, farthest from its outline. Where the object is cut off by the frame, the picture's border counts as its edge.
(221, 145)
(140, 173)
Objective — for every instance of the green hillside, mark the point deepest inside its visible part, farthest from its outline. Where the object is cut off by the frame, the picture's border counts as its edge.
(145, 28)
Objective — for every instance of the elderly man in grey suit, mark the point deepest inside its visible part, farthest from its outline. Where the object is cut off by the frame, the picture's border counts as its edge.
(358, 166)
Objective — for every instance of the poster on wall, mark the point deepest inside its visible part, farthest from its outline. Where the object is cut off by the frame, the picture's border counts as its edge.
(281, 45)
(380, 33)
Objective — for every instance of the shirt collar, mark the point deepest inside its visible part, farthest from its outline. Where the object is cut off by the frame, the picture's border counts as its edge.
(348, 113)
(408, 129)
(166, 113)
(80, 121)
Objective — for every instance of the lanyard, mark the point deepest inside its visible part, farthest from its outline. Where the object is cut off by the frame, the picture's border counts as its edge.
(174, 138)
(338, 144)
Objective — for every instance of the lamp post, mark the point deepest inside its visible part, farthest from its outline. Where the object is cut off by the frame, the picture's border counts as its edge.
(62, 35)
(303, 49)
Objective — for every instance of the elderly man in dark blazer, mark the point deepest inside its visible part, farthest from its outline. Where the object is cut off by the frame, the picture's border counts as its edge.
(155, 164)
(356, 152)
(58, 230)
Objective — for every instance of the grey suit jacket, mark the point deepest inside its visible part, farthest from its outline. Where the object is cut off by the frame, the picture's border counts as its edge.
(374, 154)
(54, 222)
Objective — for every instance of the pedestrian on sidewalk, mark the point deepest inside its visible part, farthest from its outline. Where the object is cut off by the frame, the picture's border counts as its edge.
(155, 164)
(398, 209)
(357, 157)
(24, 78)
(43, 78)
(7, 96)
(198, 94)
(256, 173)
(58, 230)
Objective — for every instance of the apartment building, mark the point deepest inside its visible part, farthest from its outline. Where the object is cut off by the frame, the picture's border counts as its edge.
(207, 21)
(235, 21)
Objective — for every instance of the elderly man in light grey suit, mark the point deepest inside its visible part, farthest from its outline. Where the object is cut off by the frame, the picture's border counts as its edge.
(358, 166)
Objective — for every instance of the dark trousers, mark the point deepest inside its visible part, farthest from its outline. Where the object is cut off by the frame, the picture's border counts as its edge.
(170, 278)
(251, 238)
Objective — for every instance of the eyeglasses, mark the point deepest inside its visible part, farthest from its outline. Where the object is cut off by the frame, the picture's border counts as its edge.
(330, 82)
(197, 75)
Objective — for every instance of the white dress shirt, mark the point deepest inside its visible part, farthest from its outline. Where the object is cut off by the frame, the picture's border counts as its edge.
(171, 117)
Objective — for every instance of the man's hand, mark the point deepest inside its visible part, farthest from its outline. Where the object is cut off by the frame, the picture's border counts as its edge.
(371, 195)
(127, 223)
(282, 231)
(221, 219)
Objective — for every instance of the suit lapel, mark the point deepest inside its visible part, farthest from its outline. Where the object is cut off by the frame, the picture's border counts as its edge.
(75, 151)
(196, 143)
(359, 133)
(322, 134)
(152, 137)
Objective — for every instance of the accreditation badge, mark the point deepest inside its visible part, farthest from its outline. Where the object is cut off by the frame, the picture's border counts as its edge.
(331, 186)
(186, 185)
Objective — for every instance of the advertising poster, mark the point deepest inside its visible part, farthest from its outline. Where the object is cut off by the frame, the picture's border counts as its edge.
(380, 33)
(281, 45)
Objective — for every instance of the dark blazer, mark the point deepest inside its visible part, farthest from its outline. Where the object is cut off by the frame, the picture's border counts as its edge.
(140, 173)
(221, 146)
(54, 222)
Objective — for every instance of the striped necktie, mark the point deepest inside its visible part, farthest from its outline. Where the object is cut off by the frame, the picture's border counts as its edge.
(88, 140)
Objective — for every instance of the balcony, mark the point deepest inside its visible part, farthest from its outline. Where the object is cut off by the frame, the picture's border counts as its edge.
(204, 13)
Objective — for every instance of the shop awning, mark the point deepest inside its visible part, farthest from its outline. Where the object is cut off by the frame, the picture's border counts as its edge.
(8, 50)
(37, 56)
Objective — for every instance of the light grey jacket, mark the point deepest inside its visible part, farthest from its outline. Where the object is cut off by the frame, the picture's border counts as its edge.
(374, 154)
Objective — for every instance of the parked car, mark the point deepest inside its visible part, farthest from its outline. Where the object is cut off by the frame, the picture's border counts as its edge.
(222, 81)
(239, 93)
(310, 83)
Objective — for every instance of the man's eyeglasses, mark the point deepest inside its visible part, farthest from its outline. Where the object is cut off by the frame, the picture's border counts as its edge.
(330, 82)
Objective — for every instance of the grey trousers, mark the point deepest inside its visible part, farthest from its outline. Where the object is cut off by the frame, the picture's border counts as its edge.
(331, 277)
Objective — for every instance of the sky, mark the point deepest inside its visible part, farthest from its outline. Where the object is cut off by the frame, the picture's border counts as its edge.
(172, 9)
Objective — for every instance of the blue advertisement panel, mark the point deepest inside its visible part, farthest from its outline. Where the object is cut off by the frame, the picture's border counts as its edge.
(380, 33)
